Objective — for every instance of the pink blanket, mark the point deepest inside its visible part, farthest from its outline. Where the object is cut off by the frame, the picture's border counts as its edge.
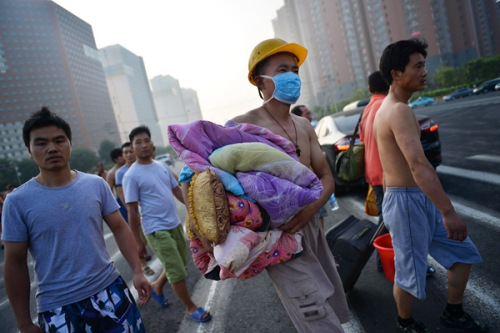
(245, 253)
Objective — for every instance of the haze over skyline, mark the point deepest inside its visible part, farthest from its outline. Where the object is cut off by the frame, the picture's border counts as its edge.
(203, 44)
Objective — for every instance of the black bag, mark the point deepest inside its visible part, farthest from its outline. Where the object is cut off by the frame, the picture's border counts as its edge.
(351, 243)
(350, 164)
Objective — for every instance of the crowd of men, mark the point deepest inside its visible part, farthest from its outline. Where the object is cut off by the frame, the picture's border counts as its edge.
(58, 215)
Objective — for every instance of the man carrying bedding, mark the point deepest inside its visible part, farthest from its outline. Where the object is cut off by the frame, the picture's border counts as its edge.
(309, 286)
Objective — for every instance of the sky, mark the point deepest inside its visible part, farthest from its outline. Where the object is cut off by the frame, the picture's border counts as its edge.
(205, 44)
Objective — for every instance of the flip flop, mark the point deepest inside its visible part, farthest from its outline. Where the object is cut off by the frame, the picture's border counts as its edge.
(162, 300)
(198, 315)
(148, 271)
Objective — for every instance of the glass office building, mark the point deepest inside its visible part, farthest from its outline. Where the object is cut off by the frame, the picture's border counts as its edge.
(48, 57)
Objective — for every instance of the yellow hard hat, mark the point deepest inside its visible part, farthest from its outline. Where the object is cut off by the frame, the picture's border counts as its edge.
(272, 46)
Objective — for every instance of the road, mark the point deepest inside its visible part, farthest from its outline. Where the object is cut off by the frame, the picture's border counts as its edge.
(470, 174)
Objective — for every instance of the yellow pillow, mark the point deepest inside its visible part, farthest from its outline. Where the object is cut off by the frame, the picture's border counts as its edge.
(208, 206)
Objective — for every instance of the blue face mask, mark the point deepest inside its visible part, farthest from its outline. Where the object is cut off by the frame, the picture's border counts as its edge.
(286, 87)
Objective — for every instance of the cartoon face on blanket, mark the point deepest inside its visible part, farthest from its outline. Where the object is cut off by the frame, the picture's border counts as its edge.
(248, 248)
(268, 178)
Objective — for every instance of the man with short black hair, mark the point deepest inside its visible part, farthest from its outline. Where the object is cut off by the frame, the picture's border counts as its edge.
(151, 184)
(129, 157)
(117, 158)
(302, 111)
(416, 210)
(58, 217)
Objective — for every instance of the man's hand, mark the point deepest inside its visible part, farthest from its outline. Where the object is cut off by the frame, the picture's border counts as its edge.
(141, 249)
(455, 226)
(299, 221)
(143, 288)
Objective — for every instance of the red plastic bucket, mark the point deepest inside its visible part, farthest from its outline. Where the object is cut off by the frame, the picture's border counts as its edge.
(383, 244)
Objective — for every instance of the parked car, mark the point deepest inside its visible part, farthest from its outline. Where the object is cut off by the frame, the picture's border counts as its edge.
(486, 86)
(497, 87)
(335, 132)
(165, 158)
(422, 101)
(356, 104)
(460, 93)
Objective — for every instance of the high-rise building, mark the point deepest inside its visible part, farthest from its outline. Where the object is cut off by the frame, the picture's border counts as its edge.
(131, 97)
(48, 57)
(346, 38)
(191, 104)
(174, 105)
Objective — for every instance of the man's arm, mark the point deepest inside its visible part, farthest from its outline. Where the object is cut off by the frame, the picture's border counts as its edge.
(125, 241)
(17, 284)
(407, 136)
(178, 194)
(134, 219)
(119, 193)
(322, 171)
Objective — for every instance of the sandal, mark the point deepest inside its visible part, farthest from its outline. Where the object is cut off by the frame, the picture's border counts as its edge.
(162, 300)
(148, 271)
(198, 315)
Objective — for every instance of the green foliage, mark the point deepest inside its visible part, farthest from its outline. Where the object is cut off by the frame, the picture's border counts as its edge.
(105, 147)
(83, 159)
(26, 169)
(343, 103)
(7, 174)
(446, 76)
(482, 69)
(360, 94)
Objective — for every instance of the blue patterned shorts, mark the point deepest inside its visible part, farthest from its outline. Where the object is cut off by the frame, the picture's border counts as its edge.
(111, 310)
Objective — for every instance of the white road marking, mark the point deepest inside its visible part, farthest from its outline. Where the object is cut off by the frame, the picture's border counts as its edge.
(470, 174)
(354, 326)
(487, 158)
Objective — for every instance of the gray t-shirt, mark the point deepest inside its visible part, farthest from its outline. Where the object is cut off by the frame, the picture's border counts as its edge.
(119, 175)
(64, 230)
(151, 185)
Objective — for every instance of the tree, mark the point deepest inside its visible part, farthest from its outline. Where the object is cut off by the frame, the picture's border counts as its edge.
(482, 69)
(7, 174)
(360, 94)
(447, 76)
(83, 159)
(27, 169)
(16, 172)
(105, 147)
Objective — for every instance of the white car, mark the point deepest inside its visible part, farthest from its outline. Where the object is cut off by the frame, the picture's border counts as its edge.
(165, 158)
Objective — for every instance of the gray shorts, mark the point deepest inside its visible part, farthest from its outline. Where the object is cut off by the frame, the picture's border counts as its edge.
(416, 228)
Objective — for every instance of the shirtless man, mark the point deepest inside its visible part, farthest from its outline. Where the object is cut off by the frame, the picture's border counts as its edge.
(273, 68)
(416, 210)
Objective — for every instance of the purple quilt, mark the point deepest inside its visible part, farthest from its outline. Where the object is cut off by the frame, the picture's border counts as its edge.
(281, 196)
